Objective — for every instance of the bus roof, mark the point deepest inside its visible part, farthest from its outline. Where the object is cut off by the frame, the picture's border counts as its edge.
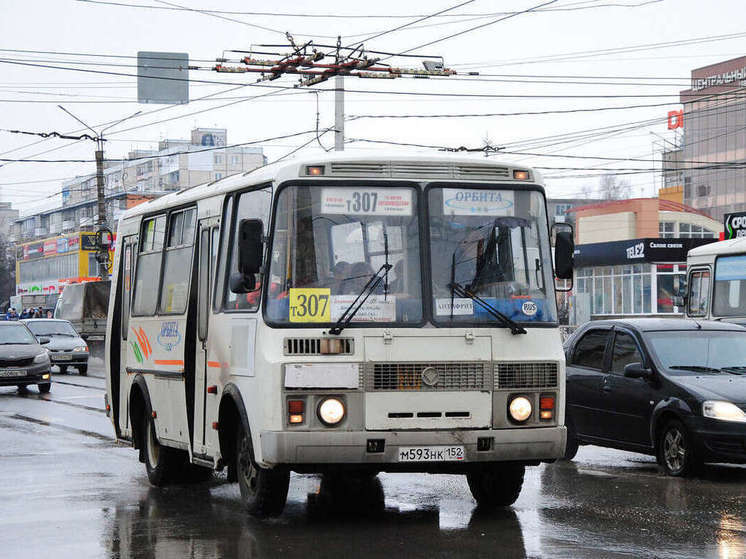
(361, 165)
(731, 246)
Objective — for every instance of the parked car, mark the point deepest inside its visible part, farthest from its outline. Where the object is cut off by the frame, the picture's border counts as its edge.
(23, 360)
(66, 347)
(672, 388)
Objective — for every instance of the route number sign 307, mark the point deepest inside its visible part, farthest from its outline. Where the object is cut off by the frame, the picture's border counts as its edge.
(309, 305)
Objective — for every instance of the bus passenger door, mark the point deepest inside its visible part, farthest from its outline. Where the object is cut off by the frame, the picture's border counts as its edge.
(129, 250)
(205, 274)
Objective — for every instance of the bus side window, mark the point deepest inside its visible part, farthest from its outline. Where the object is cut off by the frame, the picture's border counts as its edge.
(699, 282)
(178, 260)
(251, 205)
(126, 286)
(148, 270)
(219, 259)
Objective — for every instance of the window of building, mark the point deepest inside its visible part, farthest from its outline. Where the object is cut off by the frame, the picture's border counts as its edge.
(670, 283)
(619, 290)
(218, 159)
(218, 176)
(666, 229)
(235, 159)
(589, 352)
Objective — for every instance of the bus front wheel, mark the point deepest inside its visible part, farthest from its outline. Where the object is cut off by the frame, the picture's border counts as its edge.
(497, 485)
(263, 491)
(161, 462)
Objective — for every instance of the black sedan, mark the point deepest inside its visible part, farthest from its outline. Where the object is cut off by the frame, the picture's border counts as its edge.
(672, 388)
(23, 360)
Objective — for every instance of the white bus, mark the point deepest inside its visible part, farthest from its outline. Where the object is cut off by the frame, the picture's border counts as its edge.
(344, 315)
(716, 281)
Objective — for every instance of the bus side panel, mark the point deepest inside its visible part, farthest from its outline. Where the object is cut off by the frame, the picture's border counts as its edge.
(156, 348)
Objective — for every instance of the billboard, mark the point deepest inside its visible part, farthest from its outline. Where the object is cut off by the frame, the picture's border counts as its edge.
(163, 77)
(735, 225)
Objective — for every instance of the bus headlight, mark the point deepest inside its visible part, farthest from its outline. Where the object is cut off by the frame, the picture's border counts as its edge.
(520, 409)
(331, 411)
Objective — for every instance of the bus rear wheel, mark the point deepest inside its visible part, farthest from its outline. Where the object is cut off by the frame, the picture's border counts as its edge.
(263, 491)
(161, 462)
(497, 485)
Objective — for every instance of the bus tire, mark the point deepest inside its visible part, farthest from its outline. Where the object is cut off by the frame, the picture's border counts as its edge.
(161, 462)
(571, 448)
(83, 370)
(497, 485)
(263, 491)
(63, 369)
(44, 388)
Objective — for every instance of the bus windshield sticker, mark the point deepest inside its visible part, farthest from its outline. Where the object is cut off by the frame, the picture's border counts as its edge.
(309, 304)
(367, 201)
(467, 201)
(375, 308)
(461, 306)
(529, 308)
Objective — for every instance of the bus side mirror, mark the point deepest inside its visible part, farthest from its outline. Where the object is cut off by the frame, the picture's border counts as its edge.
(242, 283)
(564, 248)
(250, 246)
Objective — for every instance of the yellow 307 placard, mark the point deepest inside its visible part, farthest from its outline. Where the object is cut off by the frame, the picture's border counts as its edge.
(310, 304)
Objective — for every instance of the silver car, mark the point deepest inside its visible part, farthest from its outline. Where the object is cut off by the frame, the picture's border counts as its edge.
(66, 347)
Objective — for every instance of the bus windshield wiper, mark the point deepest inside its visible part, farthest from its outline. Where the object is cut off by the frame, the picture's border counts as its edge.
(462, 291)
(355, 306)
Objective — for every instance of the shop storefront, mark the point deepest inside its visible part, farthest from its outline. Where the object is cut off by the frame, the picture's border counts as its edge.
(637, 277)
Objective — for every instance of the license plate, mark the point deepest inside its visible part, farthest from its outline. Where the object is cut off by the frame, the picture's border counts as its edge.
(431, 453)
(12, 373)
(62, 357)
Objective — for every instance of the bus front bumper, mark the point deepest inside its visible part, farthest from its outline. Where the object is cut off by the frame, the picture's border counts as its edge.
(352, 447)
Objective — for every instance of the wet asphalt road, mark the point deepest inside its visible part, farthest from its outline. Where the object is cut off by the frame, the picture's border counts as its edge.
(69, 491)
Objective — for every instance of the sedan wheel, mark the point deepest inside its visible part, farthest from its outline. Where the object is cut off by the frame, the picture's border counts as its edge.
(675, 450)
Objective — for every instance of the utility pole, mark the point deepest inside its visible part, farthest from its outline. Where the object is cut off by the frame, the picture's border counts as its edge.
(339, 114)
(102, 250)
(305, 61)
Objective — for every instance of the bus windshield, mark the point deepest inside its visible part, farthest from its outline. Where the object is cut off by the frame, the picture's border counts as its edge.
(329, 241)
(493, 244)
(730, 286)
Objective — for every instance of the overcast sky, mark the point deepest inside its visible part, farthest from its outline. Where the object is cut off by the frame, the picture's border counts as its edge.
(571, 32)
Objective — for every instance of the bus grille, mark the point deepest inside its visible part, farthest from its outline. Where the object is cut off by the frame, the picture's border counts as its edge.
(519, 374)
(318, 346)
(427, 376)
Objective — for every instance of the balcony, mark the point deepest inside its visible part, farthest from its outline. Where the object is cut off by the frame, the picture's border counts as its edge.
(68, 225)
(40, 231)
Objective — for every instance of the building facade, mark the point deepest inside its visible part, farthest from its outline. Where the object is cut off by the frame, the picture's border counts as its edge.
(630, 257)
(714, 140)
(50, 245)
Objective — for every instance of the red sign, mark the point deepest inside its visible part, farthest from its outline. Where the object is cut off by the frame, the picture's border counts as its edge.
(73, 243)
(675, 119)
(50, 247)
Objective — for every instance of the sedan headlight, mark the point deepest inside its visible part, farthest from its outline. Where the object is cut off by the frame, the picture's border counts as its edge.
(725, 411)
(520, 409)
(42, 357)
(81, 348)
(331, 411)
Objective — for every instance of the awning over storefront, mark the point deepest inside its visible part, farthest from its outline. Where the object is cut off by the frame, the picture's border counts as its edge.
(635, 251)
